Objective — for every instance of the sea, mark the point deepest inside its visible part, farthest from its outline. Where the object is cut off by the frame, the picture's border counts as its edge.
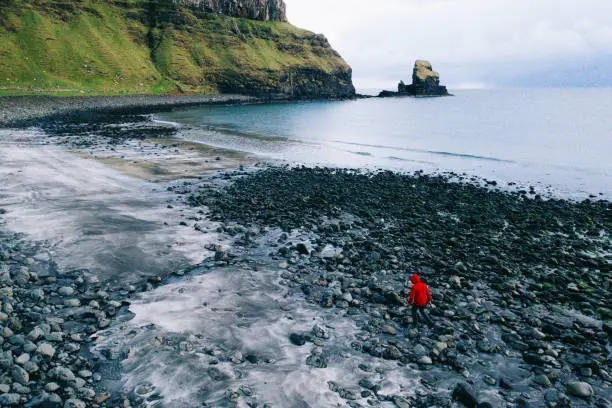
(557, 140)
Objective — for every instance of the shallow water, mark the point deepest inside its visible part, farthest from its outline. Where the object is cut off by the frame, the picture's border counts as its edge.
(91, 216)
(560, 138)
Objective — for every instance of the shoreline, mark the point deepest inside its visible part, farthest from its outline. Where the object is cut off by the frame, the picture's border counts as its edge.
(518, 317)
(23, 111)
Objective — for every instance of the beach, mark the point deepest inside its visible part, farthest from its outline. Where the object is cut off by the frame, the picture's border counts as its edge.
(140, 268)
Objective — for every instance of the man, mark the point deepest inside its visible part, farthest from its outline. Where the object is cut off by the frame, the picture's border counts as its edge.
(420, 296)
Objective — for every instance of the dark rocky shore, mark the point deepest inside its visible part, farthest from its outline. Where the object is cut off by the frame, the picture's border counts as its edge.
(21, 111)
(521, 284)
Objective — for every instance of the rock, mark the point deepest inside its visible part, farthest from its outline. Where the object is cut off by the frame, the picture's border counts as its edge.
(52, 387)
(389, 330)
(465, 395)
(72, 302)
(392, 353)
(425, 360)
(66, 291)
(74, 403)
(37, 294)
(22, 276)
(302, 249)
(85, 374)
(22, 359)
(4, 388)
(579, 389)
(316, 361)
(20, 375)
(10, 400)
(297, 339)
(46, 350)
(425, 82)
(489, 380)
(320, 332)
(542, 380)
(62, 373)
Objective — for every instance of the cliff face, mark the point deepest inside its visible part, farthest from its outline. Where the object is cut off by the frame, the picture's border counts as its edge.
(264, 10)
(164, 46)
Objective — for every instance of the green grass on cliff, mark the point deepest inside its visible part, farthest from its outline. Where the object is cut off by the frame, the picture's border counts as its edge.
(142, 46)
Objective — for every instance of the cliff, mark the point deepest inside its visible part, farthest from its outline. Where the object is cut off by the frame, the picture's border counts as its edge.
(164, 46)
(264, 10)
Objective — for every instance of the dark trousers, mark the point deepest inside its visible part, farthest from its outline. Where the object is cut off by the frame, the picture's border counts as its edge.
(416, 310)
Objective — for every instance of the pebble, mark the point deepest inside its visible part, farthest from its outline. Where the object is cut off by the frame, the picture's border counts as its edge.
(20, 375)
(66, 291)
(74, 403)
(46, 350)
(542, 380)
(579, 389)
(72, 302)
(10, 400)
(389, 330)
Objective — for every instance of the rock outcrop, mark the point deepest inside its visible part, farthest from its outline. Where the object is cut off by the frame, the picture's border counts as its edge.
(425, 82)
(264, 10)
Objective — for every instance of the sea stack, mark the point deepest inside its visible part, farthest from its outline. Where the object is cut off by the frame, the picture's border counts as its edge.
(425, 82)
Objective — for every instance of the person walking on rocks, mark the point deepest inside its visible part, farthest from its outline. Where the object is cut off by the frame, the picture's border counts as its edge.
(420, 296)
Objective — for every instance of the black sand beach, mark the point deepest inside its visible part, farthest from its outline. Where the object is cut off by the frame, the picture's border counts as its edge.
(520, 282)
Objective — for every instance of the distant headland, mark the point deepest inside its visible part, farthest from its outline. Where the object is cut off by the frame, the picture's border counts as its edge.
(425, 82)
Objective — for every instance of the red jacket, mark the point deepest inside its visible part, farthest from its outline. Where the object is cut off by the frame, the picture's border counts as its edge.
(419, 294)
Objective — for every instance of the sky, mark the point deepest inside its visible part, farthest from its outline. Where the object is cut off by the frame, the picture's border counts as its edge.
(471, 43)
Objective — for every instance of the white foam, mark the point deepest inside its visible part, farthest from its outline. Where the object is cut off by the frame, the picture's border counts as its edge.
(229, 310)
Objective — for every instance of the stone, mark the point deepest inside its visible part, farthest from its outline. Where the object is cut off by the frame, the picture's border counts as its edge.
(62, 373)
(9, 400)
(389, 330)
(425, 360)
(465, 395)
(36, 333)
(392, 353)
(52, 387)
(46, 350)
(74, 403)
(85, 374)
(22, 359)
(4, 388)
(37, 294)
(542, 380)
(72, 302)
(22, 276)
(20, 375)
(579, 389)
(297, 339)
(66, 291)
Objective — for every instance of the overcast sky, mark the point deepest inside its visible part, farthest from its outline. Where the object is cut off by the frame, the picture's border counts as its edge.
(471, 43)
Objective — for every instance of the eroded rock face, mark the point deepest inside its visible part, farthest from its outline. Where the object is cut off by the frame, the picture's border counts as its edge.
(425, 82)
(424, 79)
(264, 10)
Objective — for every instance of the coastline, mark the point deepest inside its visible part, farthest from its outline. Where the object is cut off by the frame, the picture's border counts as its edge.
(515, 301)
(20, 111)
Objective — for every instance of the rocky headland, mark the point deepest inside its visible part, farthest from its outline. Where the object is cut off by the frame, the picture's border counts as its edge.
(136, 47)
(425, 82)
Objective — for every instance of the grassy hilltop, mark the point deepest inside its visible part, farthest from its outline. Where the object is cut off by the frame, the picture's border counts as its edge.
(154, 47)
